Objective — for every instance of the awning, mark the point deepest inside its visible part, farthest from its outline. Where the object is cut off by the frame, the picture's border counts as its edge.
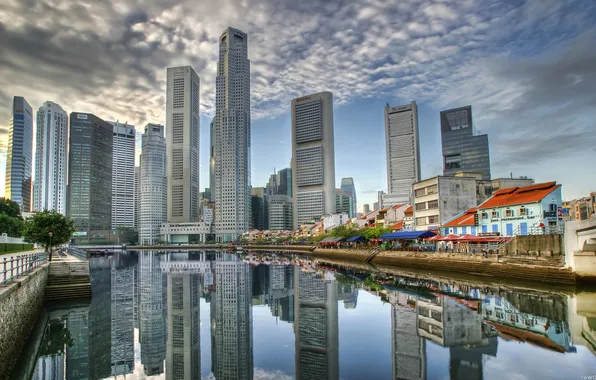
(407, 235)
(355, 239)
(331, 240)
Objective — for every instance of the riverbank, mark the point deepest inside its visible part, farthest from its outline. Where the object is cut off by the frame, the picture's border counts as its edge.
(543, 271)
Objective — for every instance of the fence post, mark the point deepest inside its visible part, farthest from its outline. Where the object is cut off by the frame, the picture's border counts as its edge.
(4, 272)
(11, 268)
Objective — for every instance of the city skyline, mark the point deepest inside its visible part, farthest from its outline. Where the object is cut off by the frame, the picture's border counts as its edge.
(525, 69)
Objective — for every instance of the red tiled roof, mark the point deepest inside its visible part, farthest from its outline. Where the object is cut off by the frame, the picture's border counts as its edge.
(409, 210)
(398, 226)
(398, 206)
(520, 195)
(383, 209)
(466, 219)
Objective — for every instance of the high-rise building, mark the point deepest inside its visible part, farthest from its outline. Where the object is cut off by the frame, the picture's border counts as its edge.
(313, 157)
(259, 208)
(344, 203)
(272, 185)
(280, 213)
(366, 208)
(232, 137)
(123, 175)
(51, 160)
(90, 173)
(153, 184)
(403, 150)
(182, 149)
(212, 161)
(137, 196)
(122, 316)
(284, 182)
(463, 150)
(20, 154)
(347, 185)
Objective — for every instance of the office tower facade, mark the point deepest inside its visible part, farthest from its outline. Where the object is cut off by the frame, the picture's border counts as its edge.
(183, 353)
(366, 208)
(259, 208)
(284, 182)
(403, 150)
(408, 348)
(153, 184)
(347, 185)
(20, 154)
(313, 157)
(90, 173)
(344, 203)
(463, 150)
(182, 141)
(272, 185)
(212, 161)
(122, 316)
(123, 175)
(51, 160)
(137, 196)
(316, 328)
(280, 213)
(232, 137)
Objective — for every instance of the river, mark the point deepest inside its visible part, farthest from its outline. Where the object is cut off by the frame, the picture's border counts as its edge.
(181, 315)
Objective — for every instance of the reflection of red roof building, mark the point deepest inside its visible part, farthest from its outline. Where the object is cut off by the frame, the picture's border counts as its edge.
(472, 305)
(526, 337)
(519, 195)
(466, 219)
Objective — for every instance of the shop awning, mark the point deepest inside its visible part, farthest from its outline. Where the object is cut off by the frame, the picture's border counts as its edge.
(407, 235)
(355, 239)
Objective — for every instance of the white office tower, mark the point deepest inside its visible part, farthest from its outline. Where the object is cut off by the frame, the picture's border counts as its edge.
(137, 195)
(408, 349)
(122, 341)
(403, 152)
(182, 122)
(123, 175)
(232, 137)
(231, 326)
(51, 159)
(313, 157)
(153, 185)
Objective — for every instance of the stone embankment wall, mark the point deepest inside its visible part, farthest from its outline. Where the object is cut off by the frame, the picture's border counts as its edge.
(20, 306)
(535, 244)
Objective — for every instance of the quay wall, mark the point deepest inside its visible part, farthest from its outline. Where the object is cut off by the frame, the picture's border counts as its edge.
(21, 303)
(535, 244)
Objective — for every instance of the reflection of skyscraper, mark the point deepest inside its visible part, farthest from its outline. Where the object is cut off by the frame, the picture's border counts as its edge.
(122, 283)
(315, 327)
(466, 362)
(77, 355)
(49, 368)
(407, 347)
(152, 313)
(183, 358)
(232, 324)
(100, 320)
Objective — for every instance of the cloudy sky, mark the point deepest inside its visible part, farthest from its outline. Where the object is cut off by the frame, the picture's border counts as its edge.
(528, 68)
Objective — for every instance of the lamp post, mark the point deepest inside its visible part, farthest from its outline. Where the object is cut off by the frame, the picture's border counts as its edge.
(50, 234)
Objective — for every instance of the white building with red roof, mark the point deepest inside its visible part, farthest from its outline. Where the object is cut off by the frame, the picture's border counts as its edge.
(527, 210)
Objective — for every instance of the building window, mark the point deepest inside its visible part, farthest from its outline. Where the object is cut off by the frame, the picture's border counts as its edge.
(453, 161)
(484, 215)
(433, 204)
(523, 211)
(508, 213)
(495, 214)
(432, 189)
(420, 192)
(433, 219)
(420, 206)
(420, 221)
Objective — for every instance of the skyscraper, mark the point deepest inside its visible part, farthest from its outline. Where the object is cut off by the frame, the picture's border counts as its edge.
(284, 182)
(232, 137)
(259, 208)
(212, 161)
(344, 202)
(366, 208)
(20, 154)
(90, 173)
(280, 213)
(49, 192)
(137, 195)
(313, 157)
(463, 150)
(123, 175)
(403, 151)
(347, 185)
(182, 121)
(153, 184)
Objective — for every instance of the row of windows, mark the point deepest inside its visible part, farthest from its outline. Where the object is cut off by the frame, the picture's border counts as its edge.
(309, 166)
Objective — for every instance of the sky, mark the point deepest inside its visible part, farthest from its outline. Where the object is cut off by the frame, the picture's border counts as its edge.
(528, 68)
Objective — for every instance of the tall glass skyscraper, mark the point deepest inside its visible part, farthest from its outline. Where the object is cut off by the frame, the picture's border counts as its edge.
(463, 151)
(232, 137)
(20, 154)
(347, 185)
(90, 173)
(51, 159)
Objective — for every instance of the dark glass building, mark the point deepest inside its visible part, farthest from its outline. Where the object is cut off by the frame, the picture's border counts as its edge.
(463, 151)
(90, 173)
(20, 154)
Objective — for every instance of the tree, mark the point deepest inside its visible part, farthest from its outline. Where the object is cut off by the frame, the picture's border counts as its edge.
(375, 232)
(11, 221)
(56, 337)
(38, 228)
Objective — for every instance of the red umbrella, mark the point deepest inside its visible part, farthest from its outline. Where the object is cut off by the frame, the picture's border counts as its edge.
(435, 238)
(467, 237)
(451, 237)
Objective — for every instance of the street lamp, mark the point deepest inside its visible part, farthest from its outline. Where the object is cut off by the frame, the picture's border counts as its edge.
(50, 234)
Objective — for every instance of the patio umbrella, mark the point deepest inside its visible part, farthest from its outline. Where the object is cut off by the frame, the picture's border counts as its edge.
(451, 237)
(435, 238)
(467, 237)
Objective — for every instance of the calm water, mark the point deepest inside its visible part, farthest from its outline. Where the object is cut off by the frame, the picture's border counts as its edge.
(215, 315)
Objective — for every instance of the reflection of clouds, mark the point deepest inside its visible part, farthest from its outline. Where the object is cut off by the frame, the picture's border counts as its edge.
(260, 374)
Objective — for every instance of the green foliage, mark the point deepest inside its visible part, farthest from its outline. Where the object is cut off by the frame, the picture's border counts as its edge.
(371, 284)
(344, 231)
(10, 208)
(38, 227)
(56, 337)
(374, 232)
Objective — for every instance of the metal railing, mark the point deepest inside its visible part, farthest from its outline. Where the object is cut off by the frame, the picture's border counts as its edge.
(17, 266)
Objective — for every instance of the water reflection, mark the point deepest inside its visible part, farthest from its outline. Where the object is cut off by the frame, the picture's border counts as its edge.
(190, 315)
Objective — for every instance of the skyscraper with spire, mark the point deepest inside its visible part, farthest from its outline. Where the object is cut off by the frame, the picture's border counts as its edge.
(232, 137)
